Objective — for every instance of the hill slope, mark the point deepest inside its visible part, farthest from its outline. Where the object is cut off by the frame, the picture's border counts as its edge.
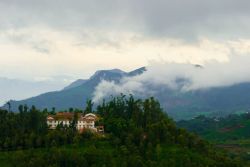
(230, 133)
(137, 134)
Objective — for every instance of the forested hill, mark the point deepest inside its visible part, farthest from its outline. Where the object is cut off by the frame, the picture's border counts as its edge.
(137, 133)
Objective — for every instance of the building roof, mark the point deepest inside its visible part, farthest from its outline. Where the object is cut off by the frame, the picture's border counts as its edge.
(69, 116)
(90, 114)
(50, 118)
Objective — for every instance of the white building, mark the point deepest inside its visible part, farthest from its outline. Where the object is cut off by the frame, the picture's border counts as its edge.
(84, 122)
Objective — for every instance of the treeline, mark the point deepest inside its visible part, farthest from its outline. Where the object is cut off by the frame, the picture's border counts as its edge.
(137, 133)
(22, 130)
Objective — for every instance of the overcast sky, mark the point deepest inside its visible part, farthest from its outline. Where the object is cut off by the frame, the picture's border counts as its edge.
(46, 38)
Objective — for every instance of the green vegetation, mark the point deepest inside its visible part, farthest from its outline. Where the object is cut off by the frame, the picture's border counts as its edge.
(231, 133)
(137, 133)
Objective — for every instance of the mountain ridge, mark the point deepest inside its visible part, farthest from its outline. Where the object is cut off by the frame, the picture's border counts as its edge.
(74, 95)
(218, 101)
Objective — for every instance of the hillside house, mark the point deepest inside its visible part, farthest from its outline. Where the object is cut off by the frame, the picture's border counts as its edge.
(84, 121)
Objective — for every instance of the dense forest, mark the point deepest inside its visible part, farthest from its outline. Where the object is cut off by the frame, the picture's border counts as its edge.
(137, 133)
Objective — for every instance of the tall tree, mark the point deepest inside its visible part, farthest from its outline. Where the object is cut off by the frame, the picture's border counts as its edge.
(89, 107)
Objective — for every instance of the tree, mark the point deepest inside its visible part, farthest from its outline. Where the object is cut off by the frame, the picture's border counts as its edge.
(89, 107)
(73, 124)
(20, 108)
(53, 111)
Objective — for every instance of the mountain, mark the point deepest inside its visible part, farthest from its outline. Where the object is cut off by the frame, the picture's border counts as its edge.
(75, 84)
(76, 94)
(218, 101)
(137, 71)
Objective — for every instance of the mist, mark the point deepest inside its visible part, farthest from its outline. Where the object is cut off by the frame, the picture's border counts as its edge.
(179, 76)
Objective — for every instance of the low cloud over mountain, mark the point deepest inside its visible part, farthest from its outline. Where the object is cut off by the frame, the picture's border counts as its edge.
(179, 76)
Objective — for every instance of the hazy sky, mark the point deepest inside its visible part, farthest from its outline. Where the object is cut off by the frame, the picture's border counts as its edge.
(46, 38)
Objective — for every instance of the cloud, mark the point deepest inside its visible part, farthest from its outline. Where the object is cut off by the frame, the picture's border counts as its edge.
(170, 75)
(187, 19)
(77, 37)
(34, 39)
